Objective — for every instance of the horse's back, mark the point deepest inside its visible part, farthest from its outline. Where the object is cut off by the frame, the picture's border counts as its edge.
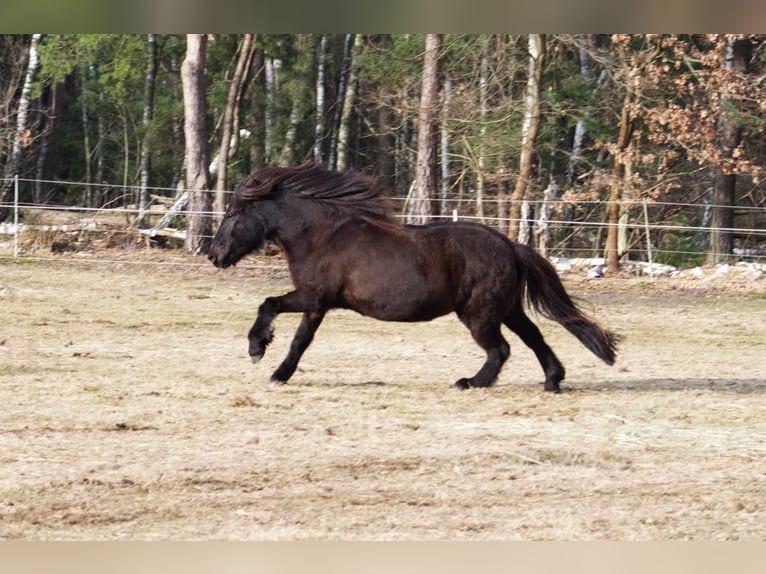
(486, 268)
(480, 247)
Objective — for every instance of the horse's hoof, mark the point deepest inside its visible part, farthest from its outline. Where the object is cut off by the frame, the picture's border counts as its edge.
(273, 381)
(256, 357)
(463, 384)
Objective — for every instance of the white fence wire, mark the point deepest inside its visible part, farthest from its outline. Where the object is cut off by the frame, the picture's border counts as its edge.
(663, 231)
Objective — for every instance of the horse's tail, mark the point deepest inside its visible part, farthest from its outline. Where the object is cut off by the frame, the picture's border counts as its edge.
(546, 294)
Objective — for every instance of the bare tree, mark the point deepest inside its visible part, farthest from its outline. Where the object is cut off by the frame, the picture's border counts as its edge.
(620, 174)
(426, 175)
(199, 224)
(529, 129)
(229, 133)
(634, 66)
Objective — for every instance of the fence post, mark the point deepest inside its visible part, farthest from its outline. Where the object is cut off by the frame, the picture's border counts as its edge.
(648, 242)
(15, 217)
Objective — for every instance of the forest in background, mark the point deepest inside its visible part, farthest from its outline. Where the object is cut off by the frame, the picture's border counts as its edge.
(508, 129)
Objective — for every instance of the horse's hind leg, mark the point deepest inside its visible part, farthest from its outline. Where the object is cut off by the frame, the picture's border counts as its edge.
(488, 336)
(518, 322)
(303, 337)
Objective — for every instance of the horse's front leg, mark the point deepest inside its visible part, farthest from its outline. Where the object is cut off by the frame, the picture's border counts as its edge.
(303, 337)
(261, 333)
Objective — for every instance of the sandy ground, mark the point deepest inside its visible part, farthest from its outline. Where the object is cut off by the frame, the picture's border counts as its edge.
(131, 411)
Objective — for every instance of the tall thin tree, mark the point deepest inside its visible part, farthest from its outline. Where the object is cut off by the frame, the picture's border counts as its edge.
(199, 223)
(228, 132)
(426, 174)
(21, 136)
(530, 126)
(344, 129)
(319, 116)
(633, 68)
(736, 61)
(145, 161)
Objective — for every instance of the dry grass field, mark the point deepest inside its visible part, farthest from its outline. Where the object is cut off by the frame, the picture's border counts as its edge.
(130, 410)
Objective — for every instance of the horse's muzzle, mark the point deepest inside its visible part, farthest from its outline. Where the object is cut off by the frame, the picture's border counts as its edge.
(215, 260)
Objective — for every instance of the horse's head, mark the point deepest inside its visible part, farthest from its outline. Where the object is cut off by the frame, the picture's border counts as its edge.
(242, 231)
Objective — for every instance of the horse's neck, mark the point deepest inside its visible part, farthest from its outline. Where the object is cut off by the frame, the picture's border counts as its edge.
(300, 231)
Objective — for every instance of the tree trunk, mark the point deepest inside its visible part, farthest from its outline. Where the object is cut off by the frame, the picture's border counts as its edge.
(145, 160)
(270, 111)
(387, 157)
(529, 130)
(344, 129)
(88, 154)
(445, 141)
(227, 129)
(199, 221)
(738, 54)
(543, 227)
(611, 254)
(99, 153)
(426, 176)
(288, 150)
(21, 137)
(319, 117)
(483, 112)
(584, 42)
(258, 110)
(340, 100)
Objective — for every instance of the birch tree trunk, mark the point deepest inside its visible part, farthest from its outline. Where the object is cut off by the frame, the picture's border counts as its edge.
(483, 112)
(319, 117)
(738, 55)
(529, 129)
(584, 42)
(288, 150)
(145, 161)
(270, 112)
(348, 105)
(426, 176)
(21, 137)
(543, 223)
(228, 125)
(257, 109)
(345, 72)
(445, 140)
(199, 225)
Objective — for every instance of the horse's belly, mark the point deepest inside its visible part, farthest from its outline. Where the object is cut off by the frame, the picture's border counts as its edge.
(407, 300)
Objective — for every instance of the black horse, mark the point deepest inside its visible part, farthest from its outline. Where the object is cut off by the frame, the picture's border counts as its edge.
(345, 249)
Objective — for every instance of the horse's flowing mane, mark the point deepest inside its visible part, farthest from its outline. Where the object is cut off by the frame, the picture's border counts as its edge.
(348, 192)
